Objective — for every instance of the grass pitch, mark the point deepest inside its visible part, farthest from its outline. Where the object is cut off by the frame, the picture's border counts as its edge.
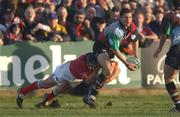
(125, 104)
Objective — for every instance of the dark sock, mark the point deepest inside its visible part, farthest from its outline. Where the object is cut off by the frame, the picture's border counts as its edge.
(171, 88)
(178, 106)
(94, 89)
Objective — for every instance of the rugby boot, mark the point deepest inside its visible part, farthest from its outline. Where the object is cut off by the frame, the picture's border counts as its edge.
(43, 102)
(19, 98)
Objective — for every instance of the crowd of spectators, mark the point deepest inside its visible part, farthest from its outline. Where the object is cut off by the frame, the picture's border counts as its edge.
(75, 20)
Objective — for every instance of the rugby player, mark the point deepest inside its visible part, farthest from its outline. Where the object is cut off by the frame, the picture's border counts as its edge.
(171, 29)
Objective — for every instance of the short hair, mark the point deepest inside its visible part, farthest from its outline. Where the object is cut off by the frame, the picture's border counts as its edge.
(115, 9)
(124, 10)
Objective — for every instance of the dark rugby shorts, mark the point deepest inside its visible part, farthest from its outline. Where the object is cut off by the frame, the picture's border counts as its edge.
(173, 57)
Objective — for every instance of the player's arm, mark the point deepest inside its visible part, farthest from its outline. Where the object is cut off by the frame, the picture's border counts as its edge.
(113, 40)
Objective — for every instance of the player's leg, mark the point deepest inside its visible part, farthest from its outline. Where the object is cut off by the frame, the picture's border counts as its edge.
(115, 73)
(58, 89)
(47, 83)
(105, 63)
(82, 88)
(41, 84)
(169, 75)
(172, 65)
(62, 77)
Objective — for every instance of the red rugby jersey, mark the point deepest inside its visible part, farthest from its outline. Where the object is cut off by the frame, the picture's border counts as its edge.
(79, 68)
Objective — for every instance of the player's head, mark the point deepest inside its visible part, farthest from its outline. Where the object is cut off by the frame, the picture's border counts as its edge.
(176, 3)
(126, 17)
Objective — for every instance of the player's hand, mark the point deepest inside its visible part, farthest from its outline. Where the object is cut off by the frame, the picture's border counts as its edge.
(156, 53)
(131, 66)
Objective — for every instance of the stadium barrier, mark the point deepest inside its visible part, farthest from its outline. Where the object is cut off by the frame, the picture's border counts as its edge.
(152, 69)
(26, 62)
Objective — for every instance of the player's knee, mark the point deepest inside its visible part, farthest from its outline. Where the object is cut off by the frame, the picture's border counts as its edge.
(42, 84)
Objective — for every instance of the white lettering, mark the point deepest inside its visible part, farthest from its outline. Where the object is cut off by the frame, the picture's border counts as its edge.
(160, 64)
(56, 56)
(16, 70)
(30, 71)
(157, 80)
(150, 78)
(69, 57)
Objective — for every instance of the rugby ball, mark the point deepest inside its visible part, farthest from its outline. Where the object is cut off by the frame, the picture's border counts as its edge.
(134, 60)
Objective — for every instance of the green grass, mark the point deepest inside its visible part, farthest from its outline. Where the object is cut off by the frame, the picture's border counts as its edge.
(72, 106)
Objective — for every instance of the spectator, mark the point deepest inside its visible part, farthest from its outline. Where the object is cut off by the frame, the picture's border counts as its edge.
(91, 13)
(149, 17)
(156, 24)
(57, 32)
(34, 30)
(29, 31)
(62, 18)
(68, 5)
(161, 3)
(125, 4)
(92, 3)
(91, 16)
(40, 8)
(114, 15)
(100, 26)
(81, 5)
(51, 6)
(103, 8)
(8, 17)
(14, 34)
(79, 29)
(146, 36)
(134, 5)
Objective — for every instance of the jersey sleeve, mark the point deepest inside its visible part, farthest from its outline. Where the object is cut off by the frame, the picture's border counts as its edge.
(114, 38)
(113, 41)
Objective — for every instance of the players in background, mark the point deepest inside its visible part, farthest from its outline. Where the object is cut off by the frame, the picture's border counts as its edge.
(107, 45)
(63, 76)
(171, 28)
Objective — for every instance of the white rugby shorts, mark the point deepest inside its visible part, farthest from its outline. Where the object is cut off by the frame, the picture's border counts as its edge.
(62, 72)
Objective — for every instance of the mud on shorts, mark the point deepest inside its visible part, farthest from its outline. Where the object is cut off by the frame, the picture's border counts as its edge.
(173, 57)
(62, 72)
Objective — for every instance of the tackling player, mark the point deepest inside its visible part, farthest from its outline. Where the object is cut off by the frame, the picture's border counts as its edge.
(107, 45)
(171, 28)
(81, 89)
(84, 67)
